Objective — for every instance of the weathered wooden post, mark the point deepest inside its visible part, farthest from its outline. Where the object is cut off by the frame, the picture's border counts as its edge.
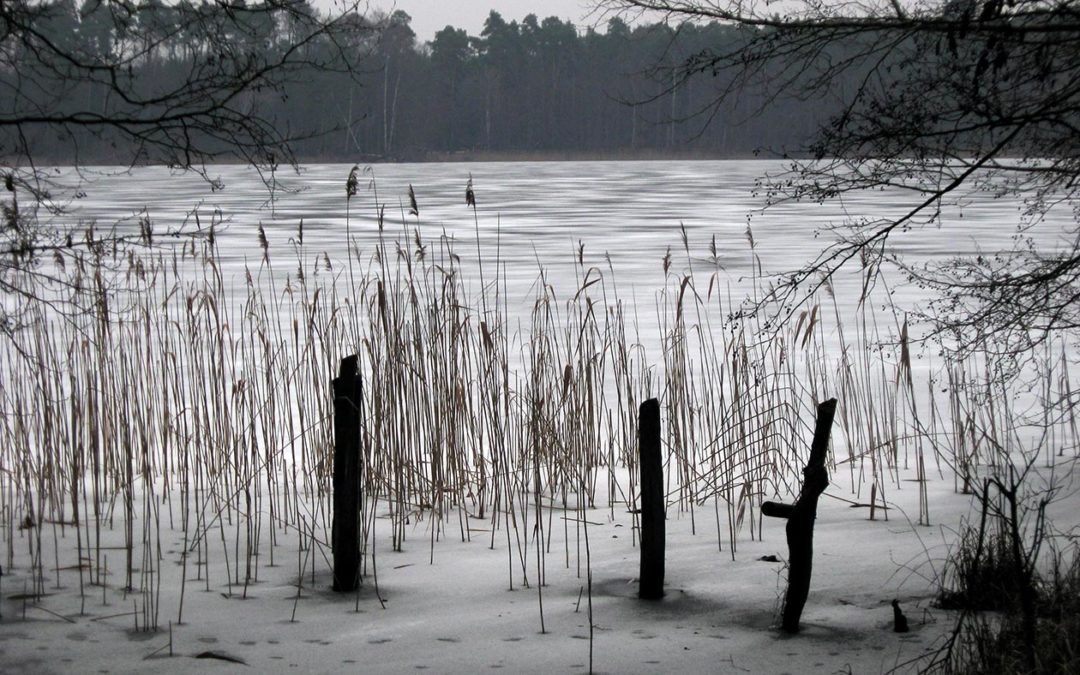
(800, 519)
(348, 389)
(651, 576)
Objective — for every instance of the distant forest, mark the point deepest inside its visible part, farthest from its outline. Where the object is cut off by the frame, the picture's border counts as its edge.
(529, 88)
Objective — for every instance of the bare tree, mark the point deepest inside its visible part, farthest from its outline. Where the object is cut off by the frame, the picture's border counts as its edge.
(938, 100)
(177, 84)
(102, 73)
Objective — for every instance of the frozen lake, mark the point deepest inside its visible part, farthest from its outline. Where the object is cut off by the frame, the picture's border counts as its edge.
(196, 431)
(627, 222)
(537, 213)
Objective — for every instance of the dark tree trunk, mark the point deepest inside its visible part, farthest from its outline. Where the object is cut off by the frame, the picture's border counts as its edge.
(800, 519)
(651, 577)
(347, 465)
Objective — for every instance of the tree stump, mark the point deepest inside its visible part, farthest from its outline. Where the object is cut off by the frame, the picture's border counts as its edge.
(651, 575)
(800, 519)
(346, 529)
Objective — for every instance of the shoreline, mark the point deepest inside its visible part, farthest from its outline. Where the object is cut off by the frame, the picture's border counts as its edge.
(460, 157)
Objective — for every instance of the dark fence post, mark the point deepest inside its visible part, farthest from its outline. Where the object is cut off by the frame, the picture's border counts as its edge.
(800, 519)
(348, 389)
(651, 577)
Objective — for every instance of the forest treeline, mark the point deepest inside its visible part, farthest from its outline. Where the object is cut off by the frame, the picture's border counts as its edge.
(534, 87)
(547, 87)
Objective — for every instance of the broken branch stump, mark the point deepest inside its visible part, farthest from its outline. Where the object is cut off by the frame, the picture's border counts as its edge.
(348, 390)
(800, 519)
(651, 576)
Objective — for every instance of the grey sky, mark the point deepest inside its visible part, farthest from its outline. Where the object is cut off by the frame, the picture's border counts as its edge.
(431, 16)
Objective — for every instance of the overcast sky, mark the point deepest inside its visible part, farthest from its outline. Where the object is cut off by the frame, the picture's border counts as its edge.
(431, 16)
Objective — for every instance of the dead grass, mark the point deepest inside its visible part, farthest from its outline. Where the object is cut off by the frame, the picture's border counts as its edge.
(172, 381)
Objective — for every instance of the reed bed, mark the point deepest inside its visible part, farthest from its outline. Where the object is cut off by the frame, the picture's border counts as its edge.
(148, 395)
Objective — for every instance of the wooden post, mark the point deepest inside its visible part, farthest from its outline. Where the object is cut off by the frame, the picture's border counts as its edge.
(800, 519)
(348, 388)
(651, 576)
